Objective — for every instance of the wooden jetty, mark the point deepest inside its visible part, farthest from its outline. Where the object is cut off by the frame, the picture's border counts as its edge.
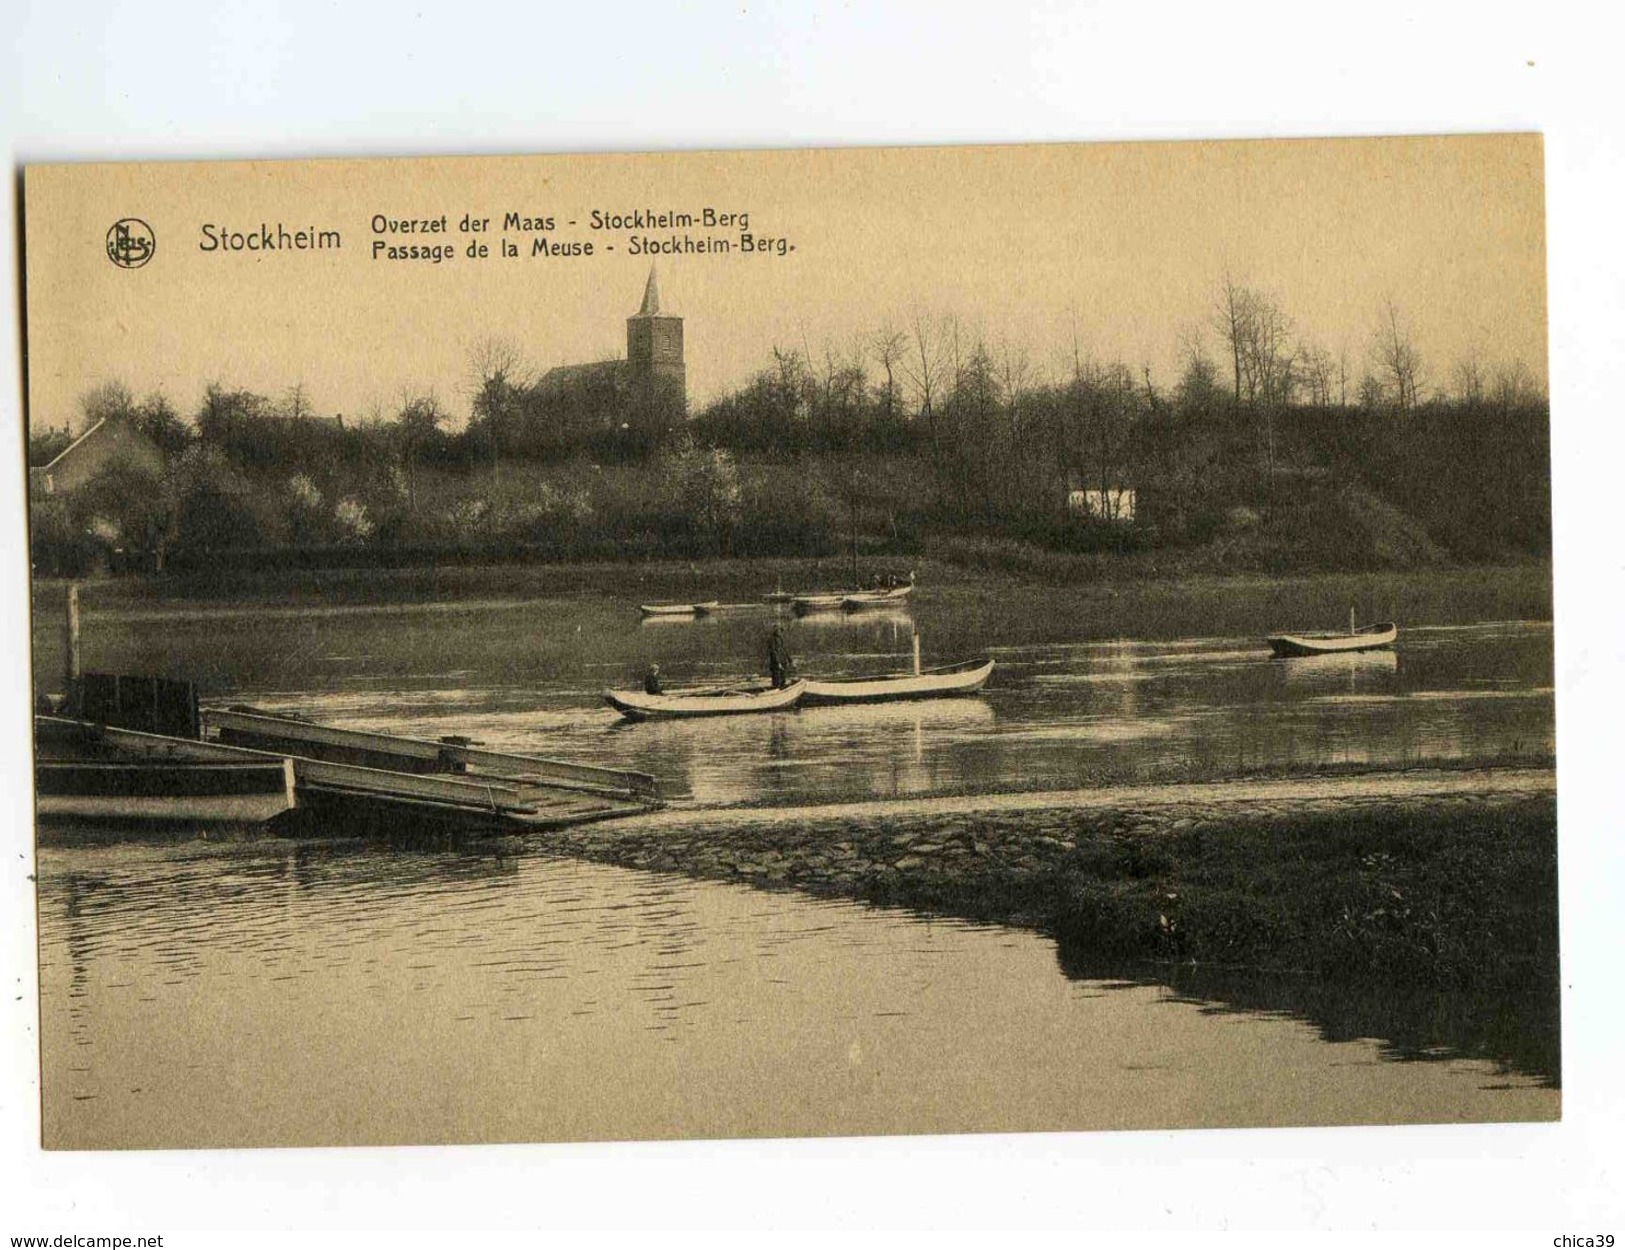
(407, 784)
(452, 756)
(117, 749)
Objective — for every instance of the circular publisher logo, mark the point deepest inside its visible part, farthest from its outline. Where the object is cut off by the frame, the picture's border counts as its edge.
(130, 243)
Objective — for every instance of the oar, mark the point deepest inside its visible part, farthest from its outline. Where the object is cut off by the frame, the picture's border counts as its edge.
(710, 692)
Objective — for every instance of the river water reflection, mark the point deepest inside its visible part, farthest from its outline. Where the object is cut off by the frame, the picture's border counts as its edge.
(275, 994)
(268, 993)
(1054, 715)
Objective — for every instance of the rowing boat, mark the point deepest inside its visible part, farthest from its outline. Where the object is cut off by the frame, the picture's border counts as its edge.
(1370, 638)
(827, 601)
(956, 679)
(864, 600)
(637, 705)
(678, 609)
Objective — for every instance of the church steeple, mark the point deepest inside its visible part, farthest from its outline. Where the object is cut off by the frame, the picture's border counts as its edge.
(651, 296)
(654, 348)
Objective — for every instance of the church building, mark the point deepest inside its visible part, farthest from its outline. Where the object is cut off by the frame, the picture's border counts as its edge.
(652, 377)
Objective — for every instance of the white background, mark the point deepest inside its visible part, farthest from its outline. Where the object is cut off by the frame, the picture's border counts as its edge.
(98, 80)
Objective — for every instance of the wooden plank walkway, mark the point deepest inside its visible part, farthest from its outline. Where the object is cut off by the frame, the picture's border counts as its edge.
(519, 800)
(418, 755)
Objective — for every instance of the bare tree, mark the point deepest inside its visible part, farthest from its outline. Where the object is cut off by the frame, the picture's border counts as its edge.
(1015, 369)
(1396, 358)
(952, 345)
(1268, 358)
(296, 402)
(1467, 379)
(494, 358)
(105, 399)
(420, 419)
(889, 345)
(1198, 389)
(496, 378)
(923, 366)
(1514, 385)
(1232, 315)
(1258, 333)
(1319, 372)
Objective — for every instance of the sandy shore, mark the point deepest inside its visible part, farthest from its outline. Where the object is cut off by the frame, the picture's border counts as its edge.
(1170, 802)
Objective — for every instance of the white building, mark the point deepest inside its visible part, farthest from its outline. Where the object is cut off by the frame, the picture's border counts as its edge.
(1116, 504)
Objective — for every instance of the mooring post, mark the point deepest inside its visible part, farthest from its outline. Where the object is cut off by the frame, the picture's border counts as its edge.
(916, 653)
(72, 673)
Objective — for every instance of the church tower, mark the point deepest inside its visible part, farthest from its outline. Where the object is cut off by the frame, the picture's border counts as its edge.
(654, 349)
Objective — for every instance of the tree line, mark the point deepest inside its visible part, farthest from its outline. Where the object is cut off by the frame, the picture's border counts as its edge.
(1263, 429)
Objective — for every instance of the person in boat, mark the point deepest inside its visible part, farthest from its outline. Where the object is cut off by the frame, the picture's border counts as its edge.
(778, 658)
(651, 681)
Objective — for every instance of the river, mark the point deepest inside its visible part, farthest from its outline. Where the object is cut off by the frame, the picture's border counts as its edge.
(1058, 712)
(273, 993)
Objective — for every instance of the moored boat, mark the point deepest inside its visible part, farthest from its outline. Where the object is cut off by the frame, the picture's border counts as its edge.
(956, 679)
(639, 705)
(864, 600)
(824, 601)
(1369, 638)
(678, 609)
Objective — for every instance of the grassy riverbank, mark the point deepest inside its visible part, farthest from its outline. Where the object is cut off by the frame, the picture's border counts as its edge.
(1446, 898)
(1129, 600)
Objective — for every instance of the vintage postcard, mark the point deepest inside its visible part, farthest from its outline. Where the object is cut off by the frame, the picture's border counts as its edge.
(792, 643)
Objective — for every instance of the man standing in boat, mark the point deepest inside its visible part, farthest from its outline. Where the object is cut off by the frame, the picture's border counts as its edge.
(778, 658)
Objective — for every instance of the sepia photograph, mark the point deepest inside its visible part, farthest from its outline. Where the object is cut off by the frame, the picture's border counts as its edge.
(792, 643)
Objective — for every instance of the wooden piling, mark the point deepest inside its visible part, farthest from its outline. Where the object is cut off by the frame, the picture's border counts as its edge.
(72, 627)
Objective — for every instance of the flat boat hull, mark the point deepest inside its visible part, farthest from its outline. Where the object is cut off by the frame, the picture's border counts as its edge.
(900, 687)
(832, 602)
(867, 600)
(636, 705)
(1372, 638)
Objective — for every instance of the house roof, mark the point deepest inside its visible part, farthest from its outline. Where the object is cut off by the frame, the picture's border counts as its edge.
(68, 450)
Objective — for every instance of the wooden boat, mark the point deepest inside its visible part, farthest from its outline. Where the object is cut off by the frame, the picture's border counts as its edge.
(637, 705)
(678, 609)
(937, 683)
(824, 601)
(1370, 638)
(778, 596)
(250, 792)
(865, 600)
